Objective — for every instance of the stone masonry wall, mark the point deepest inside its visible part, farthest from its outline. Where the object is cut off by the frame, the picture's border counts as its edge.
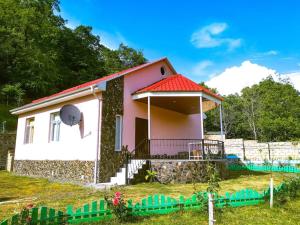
(7, 145)
(112, 106)
(76, 171)
(175, 171)
(252, 150)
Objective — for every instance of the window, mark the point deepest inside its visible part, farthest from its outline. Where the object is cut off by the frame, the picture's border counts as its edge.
(162, 70)
(29, 131)
(54, 126)
(118, 135)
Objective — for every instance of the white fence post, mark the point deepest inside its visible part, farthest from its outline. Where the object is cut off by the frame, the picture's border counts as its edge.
(211, 220)
(271, 192)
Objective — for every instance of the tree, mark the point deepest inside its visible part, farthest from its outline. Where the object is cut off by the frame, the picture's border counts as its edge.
(268, 111)
(40, 55)
(13, 94)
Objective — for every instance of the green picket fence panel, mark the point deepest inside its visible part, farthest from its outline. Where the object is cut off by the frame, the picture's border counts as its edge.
(264, 168)
(37, 216)
(96, 211)
(153, 204)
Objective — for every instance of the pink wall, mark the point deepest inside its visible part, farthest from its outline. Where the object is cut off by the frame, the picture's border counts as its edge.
(164, 123)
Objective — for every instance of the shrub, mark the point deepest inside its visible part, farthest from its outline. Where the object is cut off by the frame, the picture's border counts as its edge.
(151, 176)
(118, 206)
(289, 190)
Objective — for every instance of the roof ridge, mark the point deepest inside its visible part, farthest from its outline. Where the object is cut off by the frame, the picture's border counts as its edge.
(104, 78)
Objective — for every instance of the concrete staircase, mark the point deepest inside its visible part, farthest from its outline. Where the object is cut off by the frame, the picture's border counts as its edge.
(133, 168)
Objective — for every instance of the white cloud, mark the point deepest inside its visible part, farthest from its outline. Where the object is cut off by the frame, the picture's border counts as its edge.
(110, 40)
(271, 52)
(206, 37)
(234, 79)
(200, 68)
(294, 78)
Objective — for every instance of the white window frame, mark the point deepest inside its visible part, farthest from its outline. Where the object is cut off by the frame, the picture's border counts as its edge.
(54, 137)
(29, 130)
(118, 146)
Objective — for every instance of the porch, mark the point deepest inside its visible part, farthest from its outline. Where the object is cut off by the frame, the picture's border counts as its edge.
(174, 125)
(179, 149)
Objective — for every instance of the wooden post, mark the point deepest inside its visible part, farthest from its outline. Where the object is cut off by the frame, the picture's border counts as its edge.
(271, 192)
(269, 150)
(201, 118)
(211, 220)
(244, 151)
(149, 119)
(221, 123)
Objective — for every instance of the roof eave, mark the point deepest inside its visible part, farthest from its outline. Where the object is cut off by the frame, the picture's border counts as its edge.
(139, 95)
(51, 101)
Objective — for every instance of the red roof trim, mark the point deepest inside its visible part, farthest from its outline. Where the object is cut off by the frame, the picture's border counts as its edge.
(177, 83)
(106, 78)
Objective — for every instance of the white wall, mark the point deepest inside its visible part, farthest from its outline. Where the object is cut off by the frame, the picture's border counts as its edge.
(71, 145)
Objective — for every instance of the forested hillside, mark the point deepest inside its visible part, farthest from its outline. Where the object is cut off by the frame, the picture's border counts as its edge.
(40, 55)
(268, 111)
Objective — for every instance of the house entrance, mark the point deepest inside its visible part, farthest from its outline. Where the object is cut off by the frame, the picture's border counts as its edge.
(141, 137)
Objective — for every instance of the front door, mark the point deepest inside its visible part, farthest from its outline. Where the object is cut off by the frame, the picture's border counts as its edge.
(141, 137)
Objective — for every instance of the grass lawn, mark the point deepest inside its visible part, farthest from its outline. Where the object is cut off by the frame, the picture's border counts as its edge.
(24, 190)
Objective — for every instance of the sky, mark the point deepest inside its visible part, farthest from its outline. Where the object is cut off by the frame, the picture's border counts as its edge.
(227, 44)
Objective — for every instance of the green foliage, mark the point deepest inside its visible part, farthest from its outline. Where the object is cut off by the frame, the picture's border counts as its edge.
(213, 178)
(39, 55)
(151, 175)
(268, 111)
(118, 206)
(289, 191)
(13, 94)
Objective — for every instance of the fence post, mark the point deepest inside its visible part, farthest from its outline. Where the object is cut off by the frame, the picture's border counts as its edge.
(203, 152)
(269, 151)
(126, 171)
(211, 220)
(271, 192)
(244, 151)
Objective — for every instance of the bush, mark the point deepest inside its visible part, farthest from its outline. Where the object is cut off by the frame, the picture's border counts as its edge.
(117, 205)
(290, 190)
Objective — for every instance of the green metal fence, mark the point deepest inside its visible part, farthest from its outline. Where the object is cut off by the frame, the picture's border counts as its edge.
(264, 168)
(40, 216)
(153, 204)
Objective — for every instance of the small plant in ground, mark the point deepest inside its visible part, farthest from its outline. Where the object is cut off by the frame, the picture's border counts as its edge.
(117, 205)
(25, 213)
(213, 178)
(267, 163)
(151, 176)
(289, 190)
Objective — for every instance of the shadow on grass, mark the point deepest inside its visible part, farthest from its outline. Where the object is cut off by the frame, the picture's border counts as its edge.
(4, 199)
(237, 174)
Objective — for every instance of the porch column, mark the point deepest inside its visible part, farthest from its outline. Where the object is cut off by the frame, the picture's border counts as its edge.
(221, 122)
(149, 119)
(201, 118)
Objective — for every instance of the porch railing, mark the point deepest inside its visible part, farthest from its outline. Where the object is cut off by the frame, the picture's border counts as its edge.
(188, 149)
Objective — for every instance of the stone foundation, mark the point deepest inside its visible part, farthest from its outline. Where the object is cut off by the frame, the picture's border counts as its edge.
(175, 171)
(80, 172)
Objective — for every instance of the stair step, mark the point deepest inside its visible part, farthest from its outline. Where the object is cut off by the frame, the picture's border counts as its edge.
(120, 177)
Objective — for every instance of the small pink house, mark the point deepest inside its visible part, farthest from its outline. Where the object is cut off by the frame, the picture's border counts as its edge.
(155, 112)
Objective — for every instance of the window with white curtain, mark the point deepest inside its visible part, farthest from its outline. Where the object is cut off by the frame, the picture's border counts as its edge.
(118, 134)
(29, 131)
(54, 127)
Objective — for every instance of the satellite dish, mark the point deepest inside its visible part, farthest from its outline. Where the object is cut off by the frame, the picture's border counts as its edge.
(70, 115)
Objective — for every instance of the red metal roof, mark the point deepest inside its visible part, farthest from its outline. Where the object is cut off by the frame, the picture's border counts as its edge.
(106, 78)
(177, 83)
